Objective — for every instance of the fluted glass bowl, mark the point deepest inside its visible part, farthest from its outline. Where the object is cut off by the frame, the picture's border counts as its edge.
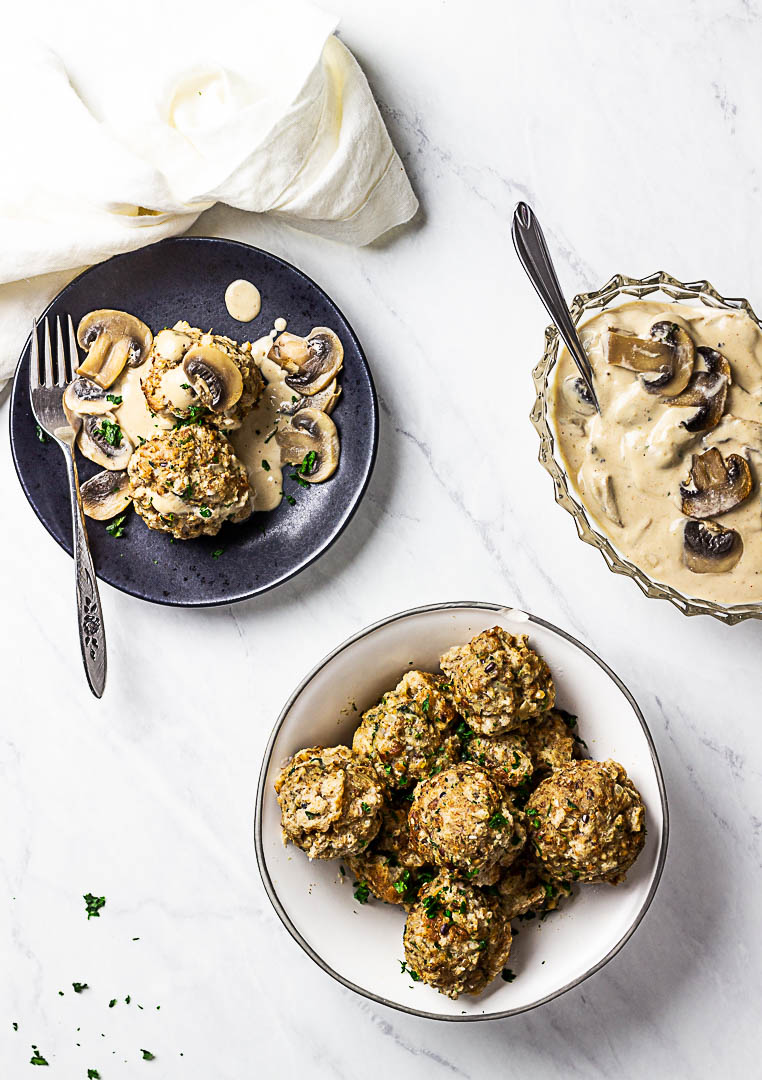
(618, 290)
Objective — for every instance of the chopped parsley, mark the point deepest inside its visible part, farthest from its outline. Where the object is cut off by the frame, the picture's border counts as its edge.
(93, 905)
(432, 905)
(497, 820)
(93, 1074)
(115, 528)
(185, 386)
(79, 987)
(147, 1055)
(112, 1003)
(205, 511)
(196, 414)
(362, 892)
(37, 1058)
(43, 437)
(115, 399)
(291, 500)
(265, 464)
(507, 975)
(110, 432)
(298, 479)
(217, 552)
(405, 969)
(308, 465)
(15, 1026)
(365, 808)
(425, 704)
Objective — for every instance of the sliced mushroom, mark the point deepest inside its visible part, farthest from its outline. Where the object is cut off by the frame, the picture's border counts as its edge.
(708, 390)
(665, 360)
(83, 397)
(577, 393)
(683, 358)
(112, 339)
(708, 548)
(717, 485)
(325, 400)
(103, 441)
(314, 361)
(311, 441)
(214, 376)
(106, 494)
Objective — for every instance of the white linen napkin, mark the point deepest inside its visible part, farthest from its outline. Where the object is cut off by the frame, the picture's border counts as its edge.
(121, 123)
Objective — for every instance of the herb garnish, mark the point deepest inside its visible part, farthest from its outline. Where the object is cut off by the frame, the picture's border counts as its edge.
(115, 399)
(43, 437)
(93, 905)
(308, 464)
(265, 464)
(413, 974)
(93, 1074)
(110, 432)
(507, 975)
(37, 1058)
(497, 820)
(362, 892)
(196, 414)
(291, 500)
(115, 528)
(217, 552)
(205, 511)
(147, 1055)
(79, 987)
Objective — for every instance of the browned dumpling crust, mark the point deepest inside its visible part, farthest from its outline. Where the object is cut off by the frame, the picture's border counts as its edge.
(390, 867)
(550, 741)
(521, 889)
(463, 820)
(330, 802)
(456, 937)
(507, 756)
(587, 822)
(188, 482)
(498, 681)
(410, 733)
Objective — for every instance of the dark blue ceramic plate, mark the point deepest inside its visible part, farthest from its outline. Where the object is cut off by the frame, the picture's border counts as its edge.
(186, 278)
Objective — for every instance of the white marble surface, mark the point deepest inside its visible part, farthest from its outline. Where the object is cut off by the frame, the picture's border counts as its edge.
(634, 128)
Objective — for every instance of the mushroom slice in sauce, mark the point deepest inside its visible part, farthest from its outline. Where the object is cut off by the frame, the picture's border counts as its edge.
(103, 441)
(665, 360)
(708, 548)
(83, 397)
(214, 377)
(106, 494)
(112, 339)
(314, 361)
(577, 393)
(717, 485)
(311, 441)
(707, 390)
(325, 400)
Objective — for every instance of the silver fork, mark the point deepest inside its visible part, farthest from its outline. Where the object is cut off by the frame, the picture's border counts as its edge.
(46, 395)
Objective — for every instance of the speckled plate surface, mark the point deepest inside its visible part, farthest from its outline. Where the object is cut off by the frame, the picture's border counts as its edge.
(186, 278)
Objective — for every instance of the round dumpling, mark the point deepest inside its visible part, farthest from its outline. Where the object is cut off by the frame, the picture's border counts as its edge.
(587, 822)
(456, 937)
(498, 682)
(409, 735)
(463, 819)
(330, 802)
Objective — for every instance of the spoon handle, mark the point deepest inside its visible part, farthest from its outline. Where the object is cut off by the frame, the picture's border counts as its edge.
(535, 258)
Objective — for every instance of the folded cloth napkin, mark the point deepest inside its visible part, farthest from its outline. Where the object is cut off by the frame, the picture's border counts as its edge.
(122, 123)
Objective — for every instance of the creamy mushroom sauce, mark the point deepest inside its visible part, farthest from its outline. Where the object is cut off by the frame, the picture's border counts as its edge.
(638, 447)
(243, 301)
(254, 442)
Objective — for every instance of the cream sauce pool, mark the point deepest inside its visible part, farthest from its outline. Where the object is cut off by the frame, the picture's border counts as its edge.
(627, 463)
(243, 301)
(254, 442)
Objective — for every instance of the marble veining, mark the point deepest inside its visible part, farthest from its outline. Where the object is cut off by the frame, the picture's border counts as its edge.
(634, 131)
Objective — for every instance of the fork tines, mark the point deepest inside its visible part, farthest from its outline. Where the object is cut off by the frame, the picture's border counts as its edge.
(58, 367)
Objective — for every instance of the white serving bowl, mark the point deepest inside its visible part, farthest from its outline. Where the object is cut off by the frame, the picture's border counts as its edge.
(363, 952)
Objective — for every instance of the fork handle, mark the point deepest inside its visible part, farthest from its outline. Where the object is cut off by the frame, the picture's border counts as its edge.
(92, 637)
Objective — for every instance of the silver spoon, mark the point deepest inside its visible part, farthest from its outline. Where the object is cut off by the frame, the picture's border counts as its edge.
(535, 258)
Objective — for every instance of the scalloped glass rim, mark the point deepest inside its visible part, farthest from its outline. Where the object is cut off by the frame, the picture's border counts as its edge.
(622, 286)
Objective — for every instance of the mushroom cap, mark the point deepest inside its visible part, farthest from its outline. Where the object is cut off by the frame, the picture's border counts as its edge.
(717, 484)
(314, 361)
(112, 339)
(683, 359)
(214, 377)
(707, 390)
(103, 441)
(325, 400)
(664, 361)
(106, 494)
(84, 397)
(310, 432)
(708, 548)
